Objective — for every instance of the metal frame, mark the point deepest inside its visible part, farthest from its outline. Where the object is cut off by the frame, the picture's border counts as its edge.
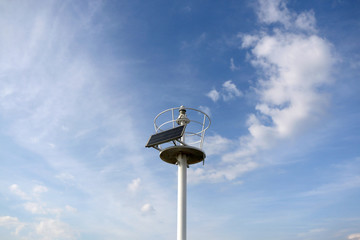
(204, 125)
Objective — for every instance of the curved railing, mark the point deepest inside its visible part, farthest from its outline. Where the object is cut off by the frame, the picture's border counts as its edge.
(195, 130)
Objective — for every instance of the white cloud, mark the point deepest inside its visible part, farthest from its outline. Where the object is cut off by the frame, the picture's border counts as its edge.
(355, 236)
(228, 92)
(147, 209)
(214, 95)
(248, 40)
(134, 185)
(295, 67)
(273, 11)
(276, 11)
(216, 174)
(306, 21)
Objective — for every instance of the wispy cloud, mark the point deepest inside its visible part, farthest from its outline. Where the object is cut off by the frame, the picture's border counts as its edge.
(147, 209)
(233, 67)
(57, 106)
(134, 185)
(333, 188)
(195, 43)
(311, 232)
(346, 178)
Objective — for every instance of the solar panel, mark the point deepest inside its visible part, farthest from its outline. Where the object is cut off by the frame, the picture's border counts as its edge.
(166, 136)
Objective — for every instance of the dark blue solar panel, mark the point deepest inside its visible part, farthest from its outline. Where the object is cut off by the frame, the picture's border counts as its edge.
(166, 136)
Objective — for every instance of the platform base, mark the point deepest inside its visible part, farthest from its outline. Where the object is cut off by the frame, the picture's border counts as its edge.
(194, 155)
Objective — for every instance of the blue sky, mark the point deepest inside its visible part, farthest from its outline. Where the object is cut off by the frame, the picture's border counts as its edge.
(80, 84)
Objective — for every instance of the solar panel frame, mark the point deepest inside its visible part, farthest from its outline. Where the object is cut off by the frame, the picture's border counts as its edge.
(166, 136)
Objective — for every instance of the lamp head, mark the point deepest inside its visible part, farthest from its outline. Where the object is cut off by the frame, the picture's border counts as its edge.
(182, 119)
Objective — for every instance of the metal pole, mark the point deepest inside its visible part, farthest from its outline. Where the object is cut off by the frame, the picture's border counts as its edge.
(181, 214)
(182, 167)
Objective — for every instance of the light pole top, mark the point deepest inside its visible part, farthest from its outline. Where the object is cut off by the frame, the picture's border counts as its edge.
(179, 126)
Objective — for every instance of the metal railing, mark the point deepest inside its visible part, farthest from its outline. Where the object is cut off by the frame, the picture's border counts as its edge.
(195, 130)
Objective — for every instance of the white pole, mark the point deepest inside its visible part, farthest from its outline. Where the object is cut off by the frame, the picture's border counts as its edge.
(182, 167)
(181, 214)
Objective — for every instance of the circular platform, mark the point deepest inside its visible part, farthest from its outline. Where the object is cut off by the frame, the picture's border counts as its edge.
(194, 155)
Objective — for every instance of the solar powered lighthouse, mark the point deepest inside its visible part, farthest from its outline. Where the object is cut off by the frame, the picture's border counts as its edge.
(180, 142)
